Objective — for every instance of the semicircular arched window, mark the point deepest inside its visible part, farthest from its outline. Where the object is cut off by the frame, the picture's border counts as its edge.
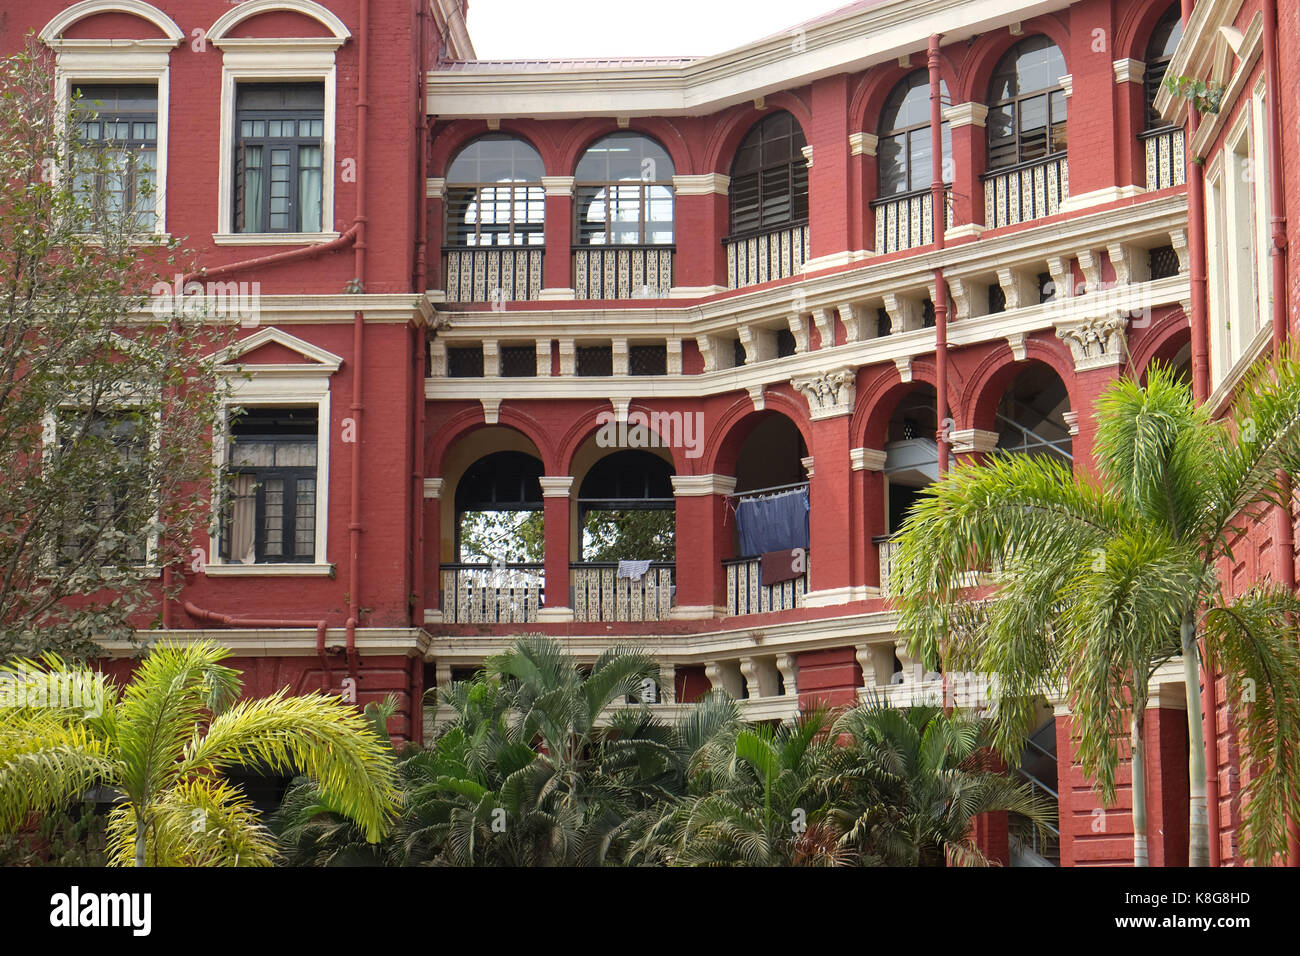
(495, 195)
(1160, 50)
(624, 191)
(769, 177)
(1027, 105)
(904, 150)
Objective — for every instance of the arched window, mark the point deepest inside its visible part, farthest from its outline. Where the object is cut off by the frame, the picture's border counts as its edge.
(1164, 40)
(494, 194)
(1026, 118)
(769, 177)
(903, 153)
(624, 185)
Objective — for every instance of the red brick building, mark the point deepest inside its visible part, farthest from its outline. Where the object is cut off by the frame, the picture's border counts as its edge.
(474, 273)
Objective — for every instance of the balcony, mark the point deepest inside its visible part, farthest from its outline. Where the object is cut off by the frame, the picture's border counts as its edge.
(1026, 192)
(907, 221)
(492, 593)
(888, 549)
(1164, 156)
(622, 272)
(599, 594)
(775, 254)
(746, 594)
(494, 274)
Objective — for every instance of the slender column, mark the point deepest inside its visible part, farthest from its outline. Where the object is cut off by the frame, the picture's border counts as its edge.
(556, 509)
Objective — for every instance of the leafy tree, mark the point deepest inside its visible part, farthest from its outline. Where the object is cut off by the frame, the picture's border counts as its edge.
(106, 408)
(629, 533)
(1103, 576)
(164, 741)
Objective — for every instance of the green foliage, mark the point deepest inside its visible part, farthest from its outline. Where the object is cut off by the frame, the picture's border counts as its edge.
(118, 483)
(629, 534)
(1205, 97)
(513, 537)
(1101, 578)
(164, 741)
(73, 836)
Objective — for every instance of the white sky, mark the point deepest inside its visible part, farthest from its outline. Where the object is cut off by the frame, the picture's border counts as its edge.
(549, 29)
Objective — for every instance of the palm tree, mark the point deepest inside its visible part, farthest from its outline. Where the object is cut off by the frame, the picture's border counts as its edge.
(164, 740)
(912, 781)
(1101, 577)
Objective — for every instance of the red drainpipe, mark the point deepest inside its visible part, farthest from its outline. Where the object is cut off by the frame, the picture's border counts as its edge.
(225, 620)
(1201, 392)
(1285, 534)
(939, 209)
(357, 407)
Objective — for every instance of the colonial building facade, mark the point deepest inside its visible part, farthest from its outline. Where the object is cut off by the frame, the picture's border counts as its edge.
(712, 289)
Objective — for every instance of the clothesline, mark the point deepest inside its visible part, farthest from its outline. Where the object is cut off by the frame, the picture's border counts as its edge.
(769, 492)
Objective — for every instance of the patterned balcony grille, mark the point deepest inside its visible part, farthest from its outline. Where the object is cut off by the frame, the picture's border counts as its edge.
(501, 274)
(1164, 262)
(622, 272)
(907, 221)
(465, 362)
(746, 594)
(1164, 156)
(600, 595)
(1026, 192)
(647, 360)
(595, 360)
(492, 594)
(775, 254)
(519, 361)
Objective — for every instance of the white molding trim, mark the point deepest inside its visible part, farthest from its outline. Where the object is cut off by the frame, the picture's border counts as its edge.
(695, 612)
(867, 459)
(245, 61)
(836, 259)
(703, 184)
(284, 641)
(272, 238)
(215, 570)
(1067, 84)
(688, 486)
(319, 361)
(558, 187)
(435, 187)
(556, 486)
(695, 291)
(863, 144)
(554, 615)
(432, 488)
(970, 230)
(831, 597)
(51, 33)
(1129, 71)
(966, 114)
(973, 440)
(251, 8)
(1099, 197)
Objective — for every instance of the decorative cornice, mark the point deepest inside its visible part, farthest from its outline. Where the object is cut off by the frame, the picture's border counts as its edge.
(433, 488)
(1129, 71)
(829, 394)
(555, 486)
(966, 114)
(435, 187)
(863, 144)
(965, 440)
(558, 186)
(695, 486)
(807, 153)
(1094, 342)
(703, 184)
(1067, 84)
(867, 459)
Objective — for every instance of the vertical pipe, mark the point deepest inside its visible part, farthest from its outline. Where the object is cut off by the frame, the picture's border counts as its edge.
(939, 209)
(1195, 175)
(1284, 533)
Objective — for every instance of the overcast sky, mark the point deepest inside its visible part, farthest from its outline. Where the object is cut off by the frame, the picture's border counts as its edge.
(547, 29)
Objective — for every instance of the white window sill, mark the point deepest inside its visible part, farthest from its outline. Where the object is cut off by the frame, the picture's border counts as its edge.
(272, 238)
(269, 570)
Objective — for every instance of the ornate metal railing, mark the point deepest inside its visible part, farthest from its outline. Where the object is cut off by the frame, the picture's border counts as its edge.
(775, 254)
(622, 272)
(747, 595)
(888, 548)
(1028, 191)
(599, 594)
(493, 274)
(907, 221)
(1165, 156)
(492, 593)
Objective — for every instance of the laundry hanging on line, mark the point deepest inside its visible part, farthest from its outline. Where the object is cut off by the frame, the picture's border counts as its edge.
(633, 570)
(776, 522)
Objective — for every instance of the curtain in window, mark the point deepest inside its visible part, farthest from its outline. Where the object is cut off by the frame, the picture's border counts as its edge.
(251, 190)
(773, 523)
(309, 188)
(243, 519)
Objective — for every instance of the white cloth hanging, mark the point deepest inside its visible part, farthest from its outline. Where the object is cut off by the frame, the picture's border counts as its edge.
(633, 570)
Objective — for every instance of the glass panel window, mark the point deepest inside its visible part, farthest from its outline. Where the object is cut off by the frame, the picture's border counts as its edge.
(495, 195)
(624, 187)
(904, 151)
(1027, 107)
(270, 514)
(1164, 41)
(96, 519)
(117, 176)
(769, 177)
(279, 157)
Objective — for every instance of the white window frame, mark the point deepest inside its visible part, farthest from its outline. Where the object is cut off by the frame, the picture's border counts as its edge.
(291, 385)
(1240, 221)
(141, 61)
(288, 60)
(1263, 204)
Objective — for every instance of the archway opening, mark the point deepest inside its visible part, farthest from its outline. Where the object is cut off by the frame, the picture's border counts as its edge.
(1031, 417)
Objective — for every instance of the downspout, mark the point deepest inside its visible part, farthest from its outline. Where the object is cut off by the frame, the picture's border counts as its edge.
(418, 360)
(939, 216)
(226, 620)
(1195, 176)
(1285, 533)
(357, 407)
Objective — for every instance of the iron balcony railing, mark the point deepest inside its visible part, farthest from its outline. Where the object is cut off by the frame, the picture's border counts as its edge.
(492, 593)
(493, 274)
(747, 595)
(599, 594)
(622, 272)
(1027, 191)
(1164, 150)
(772, 254)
